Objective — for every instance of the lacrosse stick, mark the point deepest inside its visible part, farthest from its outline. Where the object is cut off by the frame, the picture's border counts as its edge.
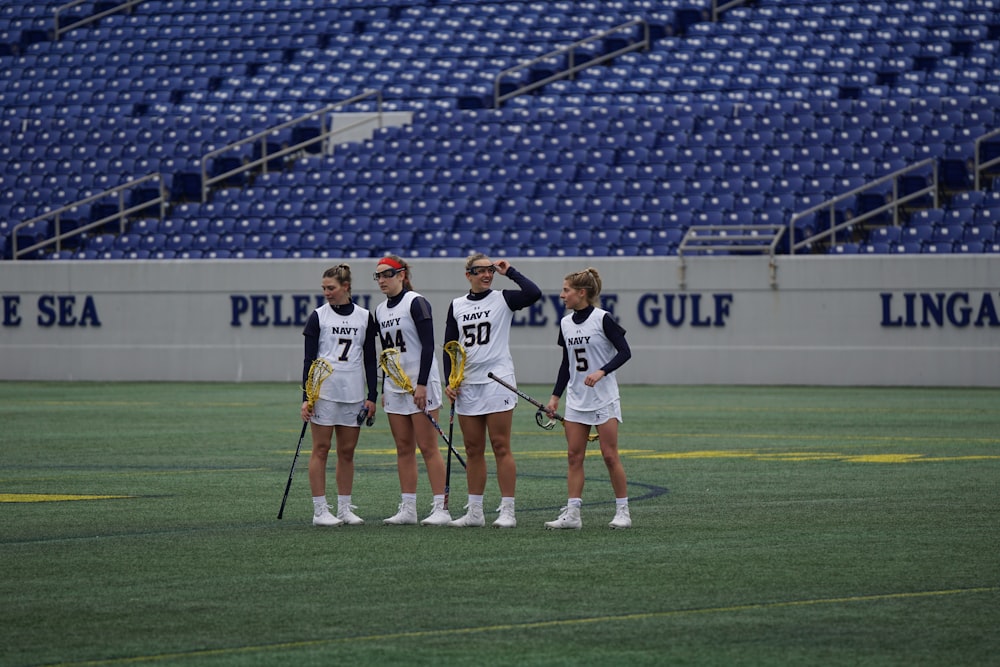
(319, 371)
(389, 361)
(457, 354)
(541, 417)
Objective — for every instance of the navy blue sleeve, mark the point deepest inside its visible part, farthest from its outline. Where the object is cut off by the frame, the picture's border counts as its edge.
(616, 335)
(562, 379)
(311, 335)
(420, 309)
(371, 358)
(524, 297)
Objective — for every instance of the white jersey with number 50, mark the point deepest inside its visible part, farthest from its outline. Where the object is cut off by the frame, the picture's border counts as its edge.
(484, 332)
(588, 349)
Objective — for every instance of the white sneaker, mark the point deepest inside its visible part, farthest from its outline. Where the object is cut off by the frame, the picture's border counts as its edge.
(473, 518)
(622, 518)
(345, 513)
(506, 518)
(439, 516)
(569, 517)
(324, 518)
(406, 516)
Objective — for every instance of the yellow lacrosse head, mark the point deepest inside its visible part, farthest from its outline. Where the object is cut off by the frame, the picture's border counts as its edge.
(456, 351)
(389, 361)
(319, 371)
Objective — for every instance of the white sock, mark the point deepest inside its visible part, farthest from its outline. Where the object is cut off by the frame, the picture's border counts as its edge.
(343, 501)
(620, 502)
(475, 501)
(574, 502)
(409, 498)
(508, 501)
(319, 502)
(439, 500)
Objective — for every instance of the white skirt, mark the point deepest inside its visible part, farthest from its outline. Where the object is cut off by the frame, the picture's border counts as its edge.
(334, 413)
(401, 403)
(485, 399)
(595, 417)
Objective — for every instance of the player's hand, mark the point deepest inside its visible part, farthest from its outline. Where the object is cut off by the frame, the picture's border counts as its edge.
(502, 266)
(552, 407)
(420, 397)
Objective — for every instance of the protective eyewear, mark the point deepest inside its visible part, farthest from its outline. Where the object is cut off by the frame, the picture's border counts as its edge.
(388, 273)
(476, 270)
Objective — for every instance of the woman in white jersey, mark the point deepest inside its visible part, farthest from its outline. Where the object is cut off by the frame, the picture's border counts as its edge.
(342, 333)
(405, 323)
(594, 347)
(480, 321)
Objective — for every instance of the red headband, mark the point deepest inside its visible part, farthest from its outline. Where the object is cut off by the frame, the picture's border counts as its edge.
(389, 261)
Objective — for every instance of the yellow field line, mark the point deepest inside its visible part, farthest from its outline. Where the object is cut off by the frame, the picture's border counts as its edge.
(849, 409)
(750, 454)
(758, 455)
(51, 497)
(534, 625)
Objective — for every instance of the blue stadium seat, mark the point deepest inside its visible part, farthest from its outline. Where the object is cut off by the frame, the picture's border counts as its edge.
(907, 248)
(966, 247)
(889, 234)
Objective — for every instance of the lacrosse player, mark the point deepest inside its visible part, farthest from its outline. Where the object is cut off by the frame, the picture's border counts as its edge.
(343, 333)
(480, 322)
(406, 325)
(593, 348)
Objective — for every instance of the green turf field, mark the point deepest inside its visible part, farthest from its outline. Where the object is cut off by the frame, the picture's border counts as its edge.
(772, 526)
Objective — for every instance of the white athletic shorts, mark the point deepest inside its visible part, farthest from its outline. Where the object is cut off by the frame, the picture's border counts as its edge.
(595, 417)
(401, 403)
(485, 399)
(333, 413)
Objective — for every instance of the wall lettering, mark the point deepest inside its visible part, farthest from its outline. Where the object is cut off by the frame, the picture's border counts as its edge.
(676, 310)
(277, 310)
(937, 309)
(54, 310)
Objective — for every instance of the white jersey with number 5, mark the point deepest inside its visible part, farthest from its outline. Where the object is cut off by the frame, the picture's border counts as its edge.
(484, 332)
(589, 349)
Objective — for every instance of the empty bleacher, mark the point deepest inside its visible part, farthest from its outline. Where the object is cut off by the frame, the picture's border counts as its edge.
(768, 111)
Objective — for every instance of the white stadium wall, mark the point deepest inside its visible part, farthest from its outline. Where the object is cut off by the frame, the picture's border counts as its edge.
(886, 320)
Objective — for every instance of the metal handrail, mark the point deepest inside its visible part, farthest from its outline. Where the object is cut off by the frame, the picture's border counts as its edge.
(122, 213)
(262, 162)
(57, 31)
(759, 239)
(570, 53)
(893, 204)
(747, 237)
(981, 167)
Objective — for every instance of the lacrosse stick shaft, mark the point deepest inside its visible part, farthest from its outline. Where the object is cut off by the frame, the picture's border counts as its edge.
(291, 473)
(389, 361)
(456, 353)
(529, 399)
(437, 427)
(447, 467)
(319, 371)
(592, 437)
